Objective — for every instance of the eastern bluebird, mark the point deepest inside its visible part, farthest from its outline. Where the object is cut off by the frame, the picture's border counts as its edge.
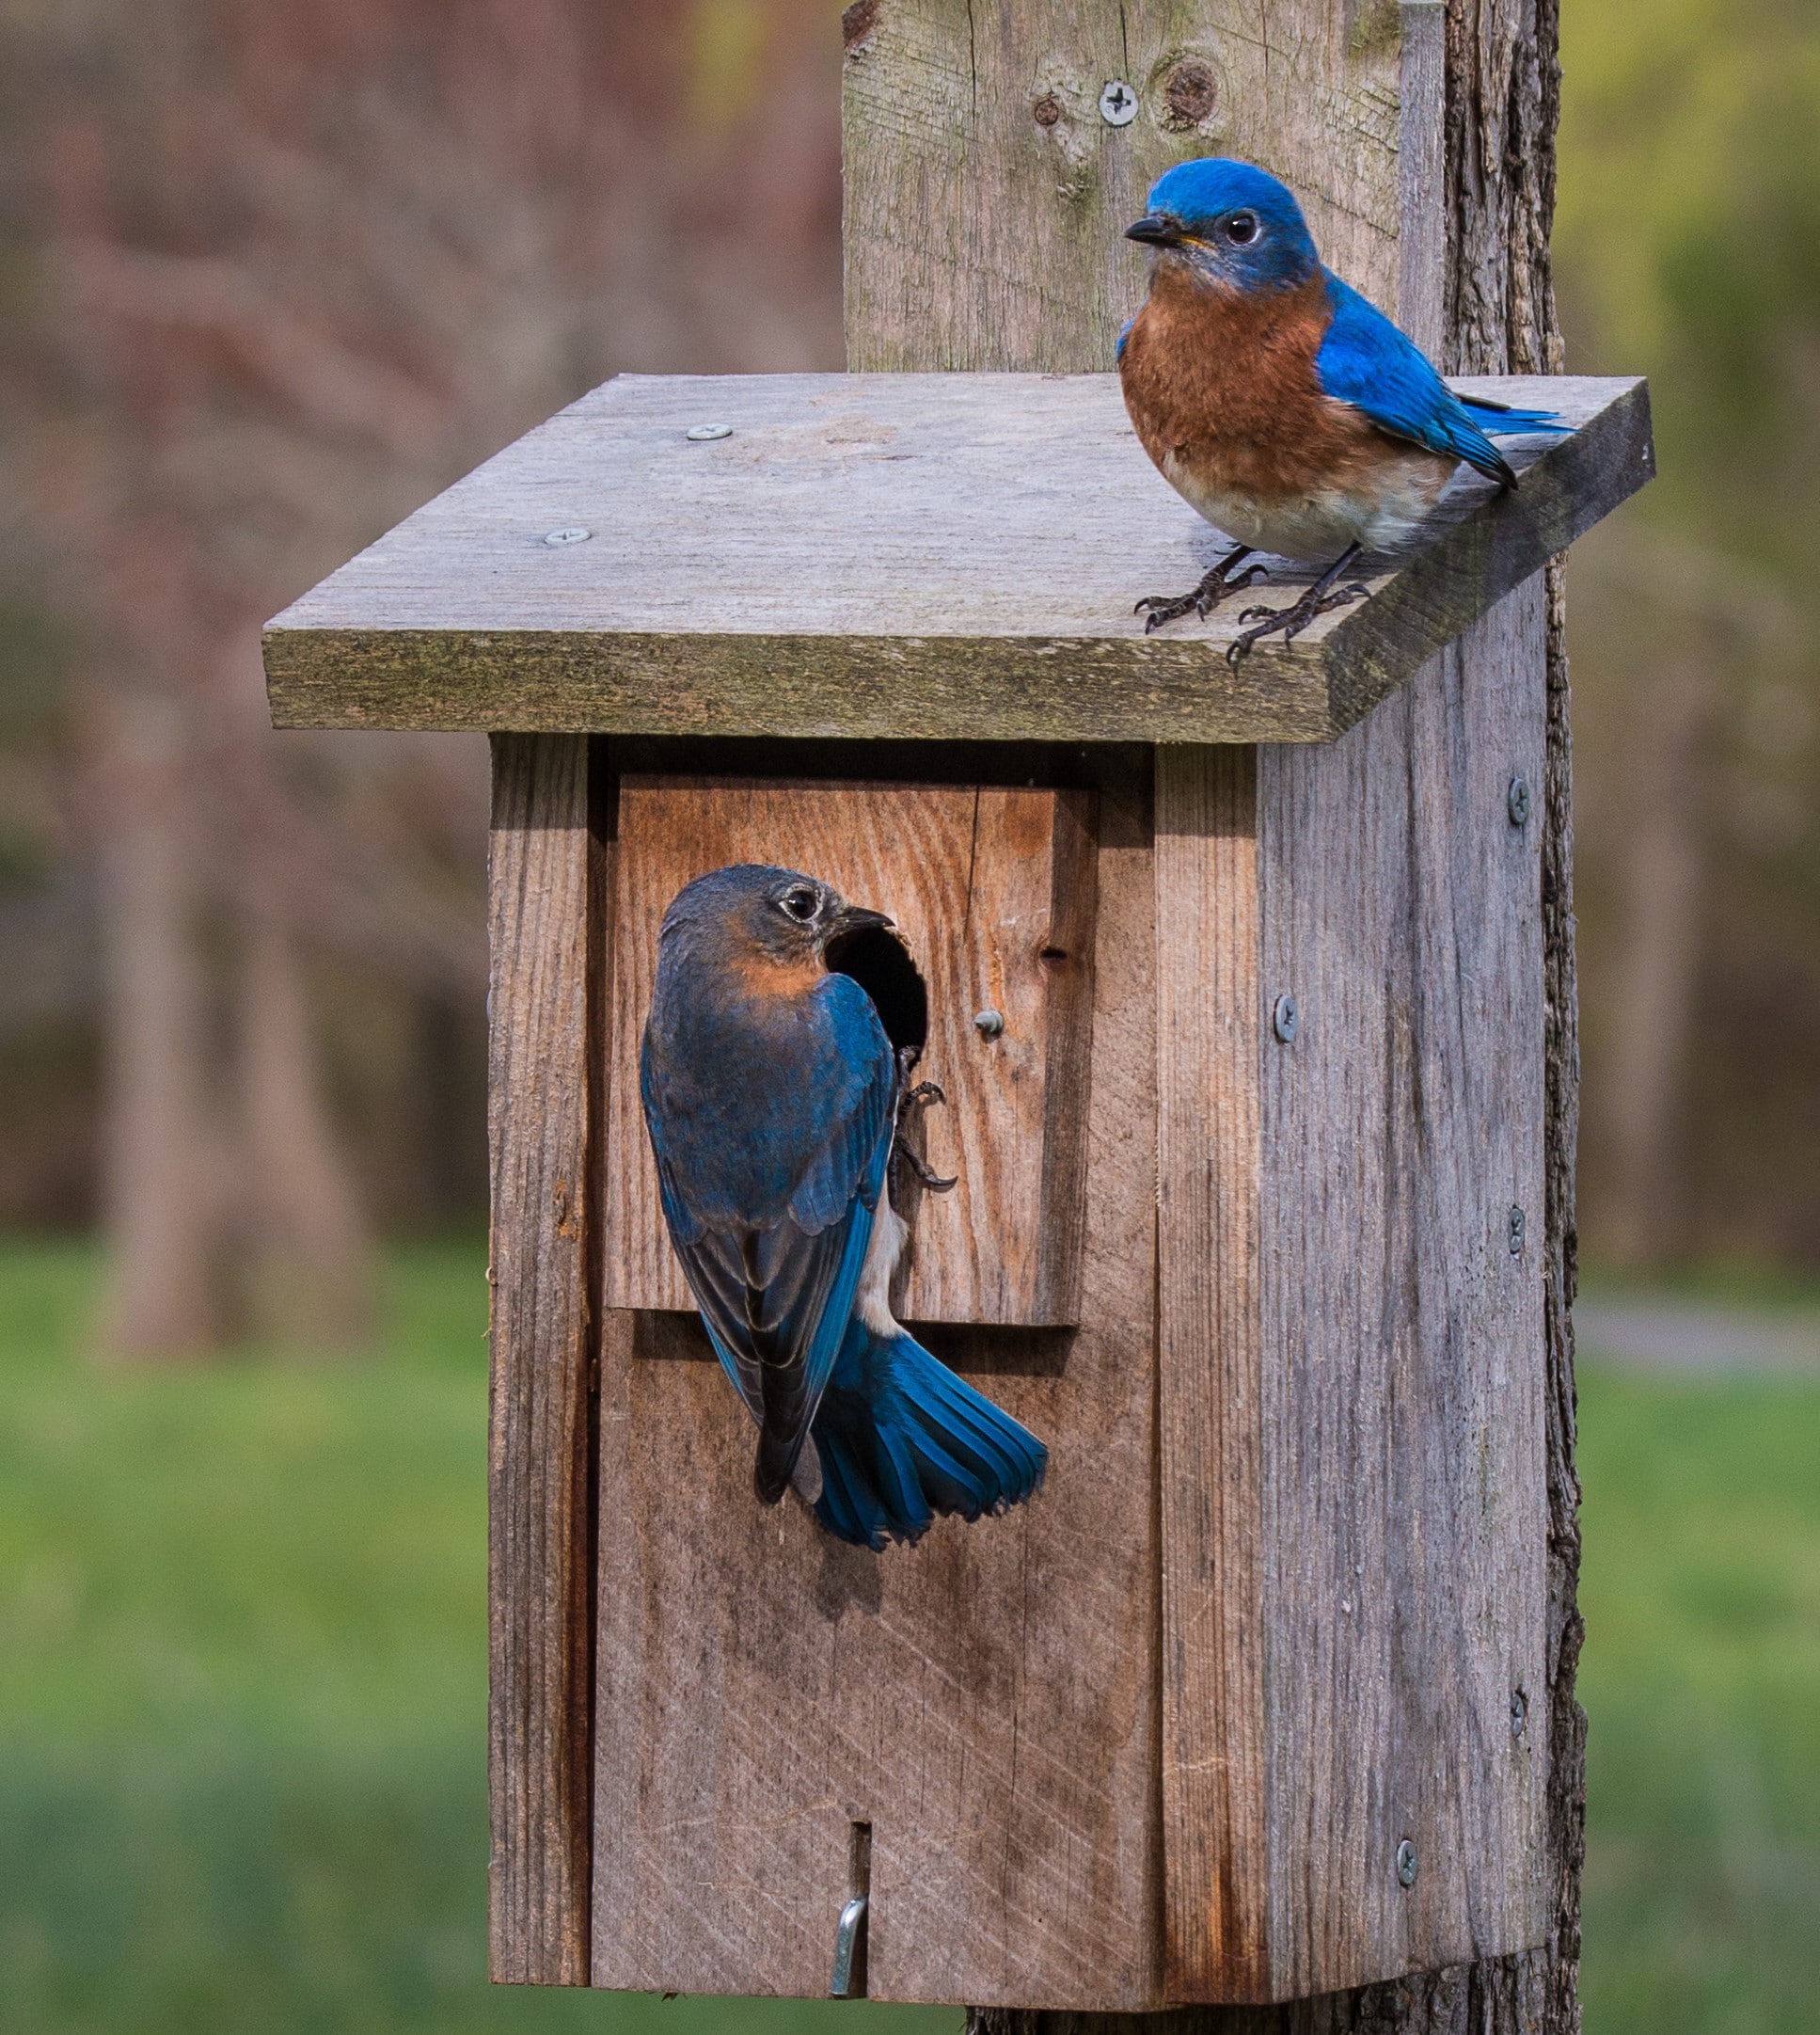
(771, 1095)
(1285, 408)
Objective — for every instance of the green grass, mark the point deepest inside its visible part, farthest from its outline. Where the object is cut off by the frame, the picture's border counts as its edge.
(242, 1692)
(1701, 1684)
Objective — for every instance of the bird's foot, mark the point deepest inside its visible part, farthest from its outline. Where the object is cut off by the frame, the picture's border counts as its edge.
(1214, 586)
(1289, 622)
(918, 1165)
(920, 1097)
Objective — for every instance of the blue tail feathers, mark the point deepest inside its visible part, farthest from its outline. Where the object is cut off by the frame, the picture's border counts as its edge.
(1503, 421)
(901, 1437)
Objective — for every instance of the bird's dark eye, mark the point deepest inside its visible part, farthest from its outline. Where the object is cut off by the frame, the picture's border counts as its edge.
(801, 903)
(1241, 228)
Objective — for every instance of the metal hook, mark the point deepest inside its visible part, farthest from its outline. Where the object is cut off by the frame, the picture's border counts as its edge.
(848, 1935)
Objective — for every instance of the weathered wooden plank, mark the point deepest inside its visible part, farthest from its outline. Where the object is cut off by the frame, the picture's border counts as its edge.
(1421, 171)
(986, 1702)
(990, 886)
(949, 556)
(1406, 1509)
(543, 879)
(1220, 1622)
(986, 193)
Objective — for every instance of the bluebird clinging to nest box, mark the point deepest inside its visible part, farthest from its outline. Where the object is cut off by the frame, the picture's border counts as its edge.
(771, 1094)
(1285, 408)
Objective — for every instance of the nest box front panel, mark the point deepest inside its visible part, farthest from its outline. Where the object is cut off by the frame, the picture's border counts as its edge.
(991, 889)
(975, 1715)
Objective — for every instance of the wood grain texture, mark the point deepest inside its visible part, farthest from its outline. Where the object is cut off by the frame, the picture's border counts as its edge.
(1403, 1335)
(992, 888)
(1220, 1624)
(1421, 171)
(986, 1702)
(948, 556)
(985, 196)
(542, 878)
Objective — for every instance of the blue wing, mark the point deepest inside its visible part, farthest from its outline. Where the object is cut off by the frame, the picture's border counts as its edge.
(776, 1289)
(1366, 361)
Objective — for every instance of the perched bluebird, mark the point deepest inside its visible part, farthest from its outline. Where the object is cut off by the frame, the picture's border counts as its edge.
(1285, 408)
(771, 1094)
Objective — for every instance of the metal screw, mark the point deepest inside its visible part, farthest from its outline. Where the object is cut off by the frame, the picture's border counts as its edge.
(988, 1023)
(1285, 1019)
(1047, 111)
(1514, 1231)
(573, 535)
(1407, 1864)
(701, 433)
(1117, 104)
(1519, 1710)
(1518, 802)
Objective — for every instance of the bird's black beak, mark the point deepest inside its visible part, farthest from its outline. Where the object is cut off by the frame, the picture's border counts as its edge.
(1156, 230)
(855, 918)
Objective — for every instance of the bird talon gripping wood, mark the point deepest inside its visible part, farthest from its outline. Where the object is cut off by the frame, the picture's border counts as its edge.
(1285, 408)
(1215, 585)
(773, 1098)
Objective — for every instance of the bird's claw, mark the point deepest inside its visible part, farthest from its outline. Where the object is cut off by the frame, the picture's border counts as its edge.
(1289, 622)
(920, 1097)
(924, 1173)
(1215, 588)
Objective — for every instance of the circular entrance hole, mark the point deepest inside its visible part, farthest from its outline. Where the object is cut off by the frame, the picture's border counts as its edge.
(879, 962)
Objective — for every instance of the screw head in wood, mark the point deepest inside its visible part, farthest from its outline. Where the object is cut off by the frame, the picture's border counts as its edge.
(571, 533)
(1047, 112)
(1407, 1864)
(1513, 1232)
(1117, 103)
(1285, 1019)
(702, 434)
(988, 1023)
(1518, 803)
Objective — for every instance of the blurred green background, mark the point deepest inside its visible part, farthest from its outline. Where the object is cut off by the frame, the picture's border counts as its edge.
(269, 275)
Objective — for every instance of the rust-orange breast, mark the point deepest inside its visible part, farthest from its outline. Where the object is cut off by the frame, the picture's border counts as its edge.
(1224, 383)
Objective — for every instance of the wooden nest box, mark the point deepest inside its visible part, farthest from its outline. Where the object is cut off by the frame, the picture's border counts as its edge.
(1247, 1703)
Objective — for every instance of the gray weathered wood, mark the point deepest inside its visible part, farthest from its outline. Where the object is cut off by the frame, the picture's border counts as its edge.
(985, 195)
(1421, 171)
(1220, 1625)
(1401, 1333)
(992, 888)
(539, 1456)
(951, 556)
(986, 1702)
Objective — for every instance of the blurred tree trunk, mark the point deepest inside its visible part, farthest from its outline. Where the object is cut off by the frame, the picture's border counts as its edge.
(306, 1265)
(1655, 972)
(161, 1152)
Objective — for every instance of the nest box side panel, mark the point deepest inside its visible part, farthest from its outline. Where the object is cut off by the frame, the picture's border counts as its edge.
(1402, 1318)
(991, 889)
(984, 1701)
(544, 886)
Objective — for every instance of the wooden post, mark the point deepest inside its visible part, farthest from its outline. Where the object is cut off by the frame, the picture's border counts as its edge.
(986, 193)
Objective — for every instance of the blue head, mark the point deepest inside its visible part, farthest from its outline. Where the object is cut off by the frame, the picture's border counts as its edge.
(755, 912)
(1231, 223)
